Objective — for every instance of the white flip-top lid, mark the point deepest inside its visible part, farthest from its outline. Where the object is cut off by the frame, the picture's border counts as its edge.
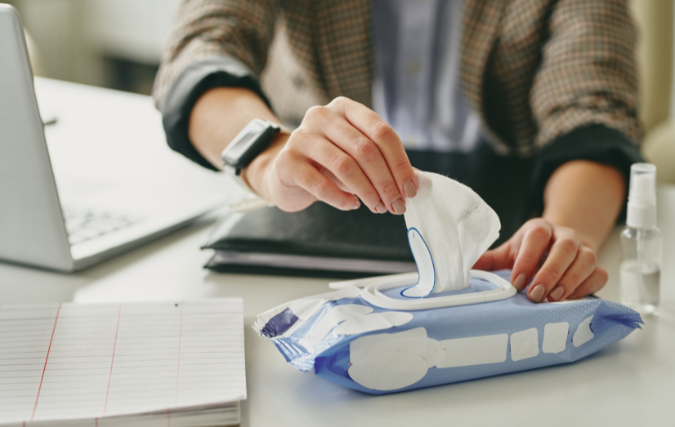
(372, 287)
(420, 284)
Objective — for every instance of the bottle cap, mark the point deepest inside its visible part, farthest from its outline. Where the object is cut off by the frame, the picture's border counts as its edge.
(642, 196)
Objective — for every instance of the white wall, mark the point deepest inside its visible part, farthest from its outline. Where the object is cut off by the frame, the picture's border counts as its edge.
(654, 19)
(130, 29)
(55, 26)
(73, 36)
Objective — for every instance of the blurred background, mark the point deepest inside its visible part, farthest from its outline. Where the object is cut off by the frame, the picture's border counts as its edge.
(118, 44)
(110, 43)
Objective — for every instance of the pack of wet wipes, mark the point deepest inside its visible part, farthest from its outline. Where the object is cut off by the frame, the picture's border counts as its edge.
(444, 324)
(358, 345)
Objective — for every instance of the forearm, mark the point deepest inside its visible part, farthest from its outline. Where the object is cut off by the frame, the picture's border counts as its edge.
(586, 197)
(219, 115)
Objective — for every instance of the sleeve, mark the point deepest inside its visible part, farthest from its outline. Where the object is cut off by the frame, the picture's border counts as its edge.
(596, 143)
(585, 95)
(214, 43)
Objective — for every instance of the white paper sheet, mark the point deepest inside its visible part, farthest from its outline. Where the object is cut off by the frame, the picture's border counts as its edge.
(70, 361)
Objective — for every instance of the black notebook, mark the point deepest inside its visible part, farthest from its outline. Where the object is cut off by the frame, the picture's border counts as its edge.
(324, 242)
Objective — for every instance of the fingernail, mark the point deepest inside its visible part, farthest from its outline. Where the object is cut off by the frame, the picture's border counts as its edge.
(557, 293)
(381, 208)
(409, 189)
(357, 204)
(399, 206)
(537, 293)
(519, 283)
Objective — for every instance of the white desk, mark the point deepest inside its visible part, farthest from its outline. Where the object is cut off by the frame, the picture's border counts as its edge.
(631, 383)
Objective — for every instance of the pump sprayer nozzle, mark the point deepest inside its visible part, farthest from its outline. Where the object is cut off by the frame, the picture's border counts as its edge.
(642, 196)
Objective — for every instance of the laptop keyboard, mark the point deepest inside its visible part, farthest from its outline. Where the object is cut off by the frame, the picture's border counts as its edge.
(85, 224)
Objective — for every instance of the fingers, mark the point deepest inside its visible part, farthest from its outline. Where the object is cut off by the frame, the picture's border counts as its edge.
(296, 173)
(560, 267)
(591, 285)
(583, 266)
(562, 255)
(352, 147)
(496, 259)
(370, 160)
(387, 141)
(343, 166)
(533, 246)
(326, 190)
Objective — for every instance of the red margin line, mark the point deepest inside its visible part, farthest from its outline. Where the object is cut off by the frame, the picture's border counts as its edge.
(105, 406)
(58, 310)
(180, 337)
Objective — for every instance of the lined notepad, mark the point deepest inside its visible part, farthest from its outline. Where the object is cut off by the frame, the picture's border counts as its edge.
(165, 364)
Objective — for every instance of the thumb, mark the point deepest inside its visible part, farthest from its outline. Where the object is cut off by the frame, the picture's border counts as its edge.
(496, 259)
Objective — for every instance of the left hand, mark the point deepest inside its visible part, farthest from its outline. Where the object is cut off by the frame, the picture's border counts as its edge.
(556, 258)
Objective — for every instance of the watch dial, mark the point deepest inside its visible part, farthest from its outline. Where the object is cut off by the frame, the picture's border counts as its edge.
(242, 142)
(239, 146)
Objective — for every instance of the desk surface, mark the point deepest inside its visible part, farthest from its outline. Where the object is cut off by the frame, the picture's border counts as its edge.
(630, 383)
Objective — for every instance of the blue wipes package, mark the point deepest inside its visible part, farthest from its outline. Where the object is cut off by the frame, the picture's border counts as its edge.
(362, 346)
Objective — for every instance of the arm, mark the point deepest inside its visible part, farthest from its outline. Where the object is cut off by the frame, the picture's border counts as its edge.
(341, 153)
(219, 115)
(584, 99)
(586, 197)
(557, 252)
(213, 43)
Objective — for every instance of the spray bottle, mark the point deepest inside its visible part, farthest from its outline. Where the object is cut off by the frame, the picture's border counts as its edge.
(641, 243)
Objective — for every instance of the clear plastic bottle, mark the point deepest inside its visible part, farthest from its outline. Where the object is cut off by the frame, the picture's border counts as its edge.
(641, 243)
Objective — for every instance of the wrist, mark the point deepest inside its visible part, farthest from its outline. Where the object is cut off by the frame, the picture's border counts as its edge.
(256, 174)
(585, 197)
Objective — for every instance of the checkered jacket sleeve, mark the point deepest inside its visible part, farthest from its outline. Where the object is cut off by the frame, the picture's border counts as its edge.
(204, 29)
(588, 71)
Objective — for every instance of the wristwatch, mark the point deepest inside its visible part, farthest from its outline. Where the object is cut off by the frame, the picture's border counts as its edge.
(251, 141)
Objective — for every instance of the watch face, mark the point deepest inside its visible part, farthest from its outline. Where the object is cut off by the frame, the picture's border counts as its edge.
(245, 138)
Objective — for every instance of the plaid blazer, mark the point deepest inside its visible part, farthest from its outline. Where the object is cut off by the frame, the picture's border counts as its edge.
(533, 69)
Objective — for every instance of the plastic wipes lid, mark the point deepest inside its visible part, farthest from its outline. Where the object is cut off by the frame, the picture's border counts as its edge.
(642, 196)
(375, 292)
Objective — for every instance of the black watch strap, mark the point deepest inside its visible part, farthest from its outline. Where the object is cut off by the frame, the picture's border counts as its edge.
(251, 141)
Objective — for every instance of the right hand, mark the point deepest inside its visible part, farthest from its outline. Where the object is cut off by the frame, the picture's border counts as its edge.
(342, 152)
(559, 261)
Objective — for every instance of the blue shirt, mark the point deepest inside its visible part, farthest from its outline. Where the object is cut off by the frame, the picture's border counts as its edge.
(416, 84)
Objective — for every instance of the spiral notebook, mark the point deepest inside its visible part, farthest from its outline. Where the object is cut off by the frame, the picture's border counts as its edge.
(145, 364)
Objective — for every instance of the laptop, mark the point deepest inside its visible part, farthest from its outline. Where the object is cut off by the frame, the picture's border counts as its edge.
(92, 181)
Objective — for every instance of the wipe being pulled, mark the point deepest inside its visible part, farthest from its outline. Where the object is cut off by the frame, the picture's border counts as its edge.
(444, 324)
(449, 228)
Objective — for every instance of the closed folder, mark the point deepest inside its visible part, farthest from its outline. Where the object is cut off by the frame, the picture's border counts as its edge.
(318, 241)
(322, 241)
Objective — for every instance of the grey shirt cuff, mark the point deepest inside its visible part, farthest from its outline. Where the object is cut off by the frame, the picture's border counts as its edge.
(193, 82)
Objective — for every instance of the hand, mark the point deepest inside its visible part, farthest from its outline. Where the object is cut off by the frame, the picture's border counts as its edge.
(560, 265)
(341, 153)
